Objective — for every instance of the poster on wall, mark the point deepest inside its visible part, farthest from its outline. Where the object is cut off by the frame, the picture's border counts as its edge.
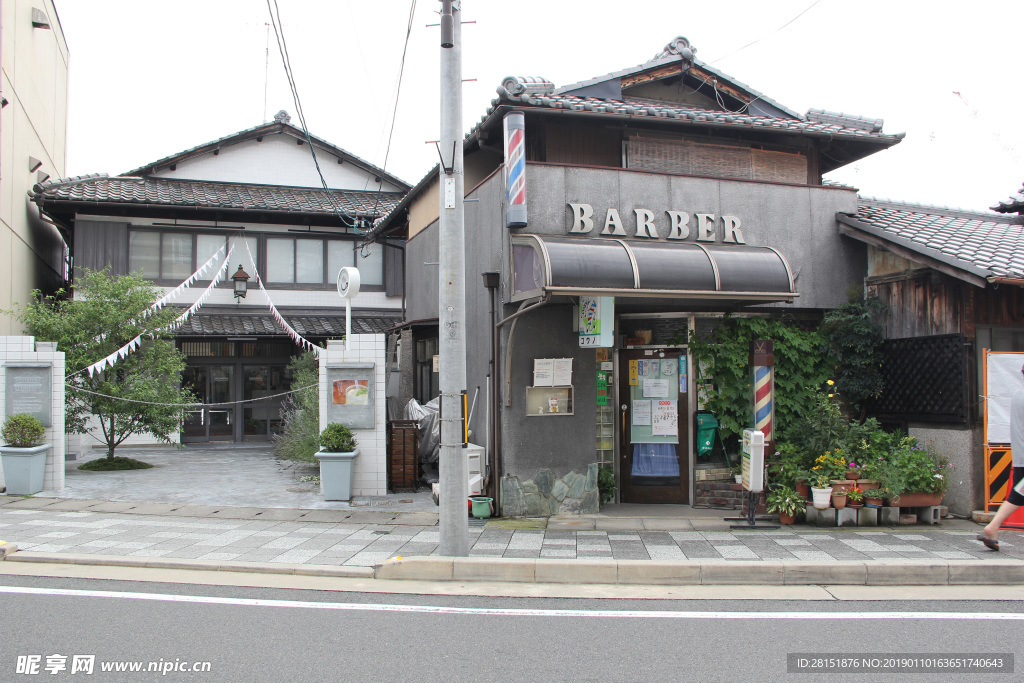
(562, 371)
(656, 388)
(350, 395)
(543, 371)
(641, 412)
(602, 388)
(664, 420)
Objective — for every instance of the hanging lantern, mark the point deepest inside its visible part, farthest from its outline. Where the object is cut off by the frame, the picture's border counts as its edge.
(241, 279)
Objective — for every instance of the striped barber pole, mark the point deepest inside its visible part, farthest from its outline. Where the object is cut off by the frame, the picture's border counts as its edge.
(515, 169)
(764, 401)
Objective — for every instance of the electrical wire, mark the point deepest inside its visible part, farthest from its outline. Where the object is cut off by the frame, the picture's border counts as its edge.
(348, 221)
(757, 40)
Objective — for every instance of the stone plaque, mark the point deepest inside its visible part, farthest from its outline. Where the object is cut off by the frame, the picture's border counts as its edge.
(351, 396)
(28, 391)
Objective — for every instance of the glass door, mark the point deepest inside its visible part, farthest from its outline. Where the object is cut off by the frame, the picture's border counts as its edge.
(196, 378)
(655, 426)
(221, 412)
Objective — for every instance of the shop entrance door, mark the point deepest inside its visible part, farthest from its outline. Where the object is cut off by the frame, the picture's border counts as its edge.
(212, 384)
(655, 427)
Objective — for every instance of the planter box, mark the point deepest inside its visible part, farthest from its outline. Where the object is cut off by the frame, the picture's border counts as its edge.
(24, 468)
(336, 474)
(917, 500)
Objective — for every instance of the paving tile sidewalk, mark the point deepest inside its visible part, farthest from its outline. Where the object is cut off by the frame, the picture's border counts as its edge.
(365, 538)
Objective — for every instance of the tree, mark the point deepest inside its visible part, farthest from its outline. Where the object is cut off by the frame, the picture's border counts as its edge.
(300, 434)
(141, 392)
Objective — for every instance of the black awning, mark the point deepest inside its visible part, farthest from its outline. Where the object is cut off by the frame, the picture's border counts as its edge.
(672, 270)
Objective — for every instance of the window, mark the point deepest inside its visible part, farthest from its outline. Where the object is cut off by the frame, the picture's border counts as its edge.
(168, 257)
(427, 381)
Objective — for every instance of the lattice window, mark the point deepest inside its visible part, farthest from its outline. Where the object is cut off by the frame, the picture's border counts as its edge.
(925, 379)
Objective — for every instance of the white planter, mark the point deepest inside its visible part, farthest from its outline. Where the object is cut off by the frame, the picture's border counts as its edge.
(336, 474)
(24, 468)
(822, 498)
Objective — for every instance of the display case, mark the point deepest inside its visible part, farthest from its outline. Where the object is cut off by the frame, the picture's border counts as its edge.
(548, 401)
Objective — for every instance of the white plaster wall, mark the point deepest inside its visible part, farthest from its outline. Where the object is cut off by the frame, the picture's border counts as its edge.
(369, 469)
(27, 350)
(278, 160)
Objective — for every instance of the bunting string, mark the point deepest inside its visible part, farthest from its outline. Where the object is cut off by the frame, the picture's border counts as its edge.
(296, 337)
(132, 345)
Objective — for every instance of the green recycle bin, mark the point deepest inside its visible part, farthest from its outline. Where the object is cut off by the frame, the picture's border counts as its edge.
(707, 425)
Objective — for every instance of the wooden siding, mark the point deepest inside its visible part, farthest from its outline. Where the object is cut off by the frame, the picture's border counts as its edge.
(719, 161)
(99, 244)
(394, 271)
(927, 303)
(582, 145)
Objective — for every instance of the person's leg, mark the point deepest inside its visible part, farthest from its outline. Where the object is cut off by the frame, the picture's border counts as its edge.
(1014, 500)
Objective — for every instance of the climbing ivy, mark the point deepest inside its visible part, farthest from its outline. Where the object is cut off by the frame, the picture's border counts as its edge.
(855, 338)
(802, 366)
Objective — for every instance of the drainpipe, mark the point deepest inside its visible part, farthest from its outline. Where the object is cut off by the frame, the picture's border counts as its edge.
(495, 382)
(491, 282)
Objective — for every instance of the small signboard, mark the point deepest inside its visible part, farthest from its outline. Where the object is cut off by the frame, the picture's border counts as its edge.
(350, 395)
(29, 391)
(753, 460)
(597, 314)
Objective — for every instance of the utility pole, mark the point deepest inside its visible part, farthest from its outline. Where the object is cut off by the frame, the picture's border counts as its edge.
(454, 517)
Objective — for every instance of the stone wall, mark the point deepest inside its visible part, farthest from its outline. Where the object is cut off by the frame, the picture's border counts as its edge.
(23, 351)
(546, 495)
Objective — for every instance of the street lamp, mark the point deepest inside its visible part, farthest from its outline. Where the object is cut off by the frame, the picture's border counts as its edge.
(241, 278)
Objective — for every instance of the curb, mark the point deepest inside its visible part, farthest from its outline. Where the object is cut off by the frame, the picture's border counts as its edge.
(7, 549)
(203, 565)
(704, 573)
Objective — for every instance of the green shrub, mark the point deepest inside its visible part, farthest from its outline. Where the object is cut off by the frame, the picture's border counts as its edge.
(785, 500)
(299, 438)
(337, 438)
(22, 431)
(606, 483)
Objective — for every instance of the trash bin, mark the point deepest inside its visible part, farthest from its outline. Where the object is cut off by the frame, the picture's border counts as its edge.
(707, 426)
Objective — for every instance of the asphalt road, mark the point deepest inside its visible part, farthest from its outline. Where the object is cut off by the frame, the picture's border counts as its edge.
(259, 634)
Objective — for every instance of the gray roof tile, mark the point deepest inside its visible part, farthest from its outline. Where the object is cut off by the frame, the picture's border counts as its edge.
(972, 241)
(1014, 204)
(170, 192)
(220, 324)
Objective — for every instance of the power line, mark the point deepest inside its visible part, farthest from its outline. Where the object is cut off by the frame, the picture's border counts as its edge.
(757, 40)
(282, 47)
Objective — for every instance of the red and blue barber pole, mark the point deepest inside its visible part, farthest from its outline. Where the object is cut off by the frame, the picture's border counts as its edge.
(515, 169)
(762, 362)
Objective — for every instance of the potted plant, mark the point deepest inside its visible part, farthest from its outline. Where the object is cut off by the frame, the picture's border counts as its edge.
(855, 497)
(839, 497)
(852, 471)
(23, 454)
(737, 471)
(786, 502)
(337, 451)
(873, 497)
(821, 492)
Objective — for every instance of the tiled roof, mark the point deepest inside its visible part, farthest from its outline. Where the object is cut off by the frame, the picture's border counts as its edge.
(835, 126)
(168, 192)
(1014, 204)
(221, 324)
(982, 244)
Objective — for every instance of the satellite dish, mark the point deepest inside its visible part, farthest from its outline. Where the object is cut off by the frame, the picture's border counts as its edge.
(348, 282)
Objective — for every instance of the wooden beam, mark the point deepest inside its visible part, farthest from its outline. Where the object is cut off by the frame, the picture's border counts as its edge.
(655, 75)
(724, 87)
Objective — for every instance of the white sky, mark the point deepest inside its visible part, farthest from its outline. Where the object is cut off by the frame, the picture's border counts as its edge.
(151, 79)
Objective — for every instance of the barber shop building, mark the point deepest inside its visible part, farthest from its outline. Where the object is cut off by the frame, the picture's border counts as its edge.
(605, 221)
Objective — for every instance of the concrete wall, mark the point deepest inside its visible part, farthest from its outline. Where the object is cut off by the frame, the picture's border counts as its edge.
(33, 124)
(963, 449)
(369, 469)
(15, 350)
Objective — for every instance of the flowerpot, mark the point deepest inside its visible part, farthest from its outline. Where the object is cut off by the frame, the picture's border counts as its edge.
(855, 506)
(24, 468)
(803, 489)
(867, 484)
(738, 478)
(853, 475)
(336, 474)
(822, 498)
(839, 501)
(786, 519)
(917, 499)
(841, 486)
(873, 502)
(481, 506)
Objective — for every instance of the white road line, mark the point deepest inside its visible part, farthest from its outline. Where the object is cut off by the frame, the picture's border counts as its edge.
(486, 611)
